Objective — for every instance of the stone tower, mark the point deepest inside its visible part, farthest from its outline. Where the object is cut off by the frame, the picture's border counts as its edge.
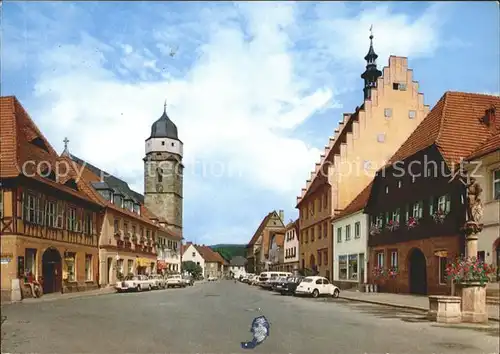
(163, 172)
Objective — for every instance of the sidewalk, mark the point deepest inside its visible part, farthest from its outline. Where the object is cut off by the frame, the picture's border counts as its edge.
(59, 296)
(412, 302)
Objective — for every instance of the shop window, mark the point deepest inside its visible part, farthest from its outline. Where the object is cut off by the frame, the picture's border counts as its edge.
(70, 260)
(343, 267)
(88, 267)
(30, 260)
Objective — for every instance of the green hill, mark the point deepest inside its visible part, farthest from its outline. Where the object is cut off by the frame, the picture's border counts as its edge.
(229, 251)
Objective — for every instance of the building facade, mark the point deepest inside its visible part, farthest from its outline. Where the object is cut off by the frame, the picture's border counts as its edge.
(350, 252)
(362, 143)
(485, 165)
(291, 246)
(191, 253)
(277, 251)
(258, 248)
(417, 205)
(237, 266)
(49, 224)
(163, 173)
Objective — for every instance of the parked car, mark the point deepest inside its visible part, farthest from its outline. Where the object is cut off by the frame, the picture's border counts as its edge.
(317, 286)
(254, 280)
(175, 281)
(210, 278)
(158, 281)
(134, 283)
(288, 287)
(277, 283)
(189, 281)
(266, 279)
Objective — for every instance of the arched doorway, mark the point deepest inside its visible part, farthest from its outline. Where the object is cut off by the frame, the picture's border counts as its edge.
(417, 272)
(51, 271)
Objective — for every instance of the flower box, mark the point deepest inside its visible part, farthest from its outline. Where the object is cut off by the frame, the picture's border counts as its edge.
(374, 229)
(411, 222)
(439, 216)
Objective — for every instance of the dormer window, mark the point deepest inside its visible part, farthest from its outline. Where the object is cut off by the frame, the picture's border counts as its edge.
(106, 193)
(118, 200)
(137, 209)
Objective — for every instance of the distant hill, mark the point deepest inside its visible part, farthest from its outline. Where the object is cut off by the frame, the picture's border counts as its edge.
(229, 251)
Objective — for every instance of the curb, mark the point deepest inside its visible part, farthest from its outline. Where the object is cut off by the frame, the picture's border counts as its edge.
(57, 298)
(405, 307)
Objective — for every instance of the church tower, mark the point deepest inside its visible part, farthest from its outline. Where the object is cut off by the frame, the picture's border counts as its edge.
(163, 172)
(371, 73)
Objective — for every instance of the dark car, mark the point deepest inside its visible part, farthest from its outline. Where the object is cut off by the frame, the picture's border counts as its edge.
(288, 287)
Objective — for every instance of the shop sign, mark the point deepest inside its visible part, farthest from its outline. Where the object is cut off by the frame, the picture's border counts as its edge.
(6, 258)
(441, 253)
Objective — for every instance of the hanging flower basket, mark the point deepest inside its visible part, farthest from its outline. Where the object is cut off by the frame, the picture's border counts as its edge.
(439, 216)
(374, 229)
(470, 270)
(379, 272)
(392, 272)
(411, 222)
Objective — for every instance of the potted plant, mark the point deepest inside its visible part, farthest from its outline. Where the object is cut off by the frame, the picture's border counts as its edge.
(439, 216)
(378, 273)
(411, 222)
(374, 229)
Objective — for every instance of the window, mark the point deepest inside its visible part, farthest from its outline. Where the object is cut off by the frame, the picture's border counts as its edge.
(311, 230)
(412, 114)
(29, 208)
(380, 259)
(51, 214)
(71, 221)
(348, 232)
(394, 259)
(30, 260)
(88, 267)
(130, 266)
(443, 261)
(381, 137)
(388, 112)
(444, 204)
(320, 233)
(125, 228)
(398, 86)
(325, 257)
(148, 234)
(193, 254)
(357, 229)
(133, 230)
(342, 267)
(353, 267)
(70, 266)
(319, 258)
(116, 226)
(117, 200)
(87, 224)
(417, 209)
(496, 185)
(339, 235)
(163, 143)
(325, 230)
(396, 215)
(325, 201)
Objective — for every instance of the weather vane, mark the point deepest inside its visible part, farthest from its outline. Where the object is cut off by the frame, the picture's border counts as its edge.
(371, 30)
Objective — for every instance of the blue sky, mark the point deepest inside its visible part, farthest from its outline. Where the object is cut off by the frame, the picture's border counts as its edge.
(255, 88)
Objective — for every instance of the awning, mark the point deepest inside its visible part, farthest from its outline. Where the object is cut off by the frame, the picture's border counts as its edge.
(441, 253)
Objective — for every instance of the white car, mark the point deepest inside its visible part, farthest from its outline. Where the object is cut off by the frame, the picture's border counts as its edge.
(317, 286)
(175, 281)
(212, 278)
(158, 281)
(134, 283)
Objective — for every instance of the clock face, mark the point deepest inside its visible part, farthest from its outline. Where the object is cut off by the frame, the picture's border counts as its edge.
(159, 188)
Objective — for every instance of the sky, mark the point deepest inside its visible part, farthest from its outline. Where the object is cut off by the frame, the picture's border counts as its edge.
(255, 89)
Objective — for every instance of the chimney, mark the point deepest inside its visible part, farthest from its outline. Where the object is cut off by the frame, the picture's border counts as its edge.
(282, 215)
(489, 117)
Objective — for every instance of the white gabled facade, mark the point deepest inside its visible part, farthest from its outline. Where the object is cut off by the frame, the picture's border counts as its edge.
(350, 248)
(192, 254)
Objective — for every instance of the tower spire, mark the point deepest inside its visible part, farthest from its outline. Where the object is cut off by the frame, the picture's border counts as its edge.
(371, 73)
(165, 106)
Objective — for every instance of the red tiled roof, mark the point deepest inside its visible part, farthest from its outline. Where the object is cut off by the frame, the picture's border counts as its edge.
(209, 255)
(21, 141)
(454, 126)
(491, 145)
(357, 204)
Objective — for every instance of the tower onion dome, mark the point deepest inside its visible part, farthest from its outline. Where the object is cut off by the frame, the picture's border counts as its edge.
(164, 127)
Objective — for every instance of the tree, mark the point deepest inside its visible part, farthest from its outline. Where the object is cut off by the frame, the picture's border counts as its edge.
(192, 268)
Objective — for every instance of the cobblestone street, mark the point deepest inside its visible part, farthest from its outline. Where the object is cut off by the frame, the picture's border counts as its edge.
(215, 318)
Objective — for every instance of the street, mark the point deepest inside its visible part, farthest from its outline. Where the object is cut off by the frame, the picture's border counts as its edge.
(215, 318)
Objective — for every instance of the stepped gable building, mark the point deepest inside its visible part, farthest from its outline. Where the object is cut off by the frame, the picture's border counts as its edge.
(49, 224)
(417, 205)
(258, 248)
(362, 143)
